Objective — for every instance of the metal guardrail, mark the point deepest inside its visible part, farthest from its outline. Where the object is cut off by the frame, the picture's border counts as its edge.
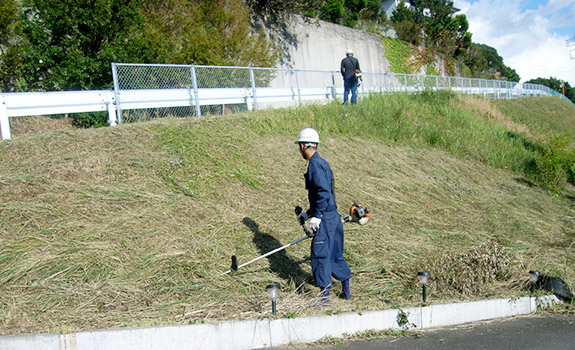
(143, 92)
(23, 104)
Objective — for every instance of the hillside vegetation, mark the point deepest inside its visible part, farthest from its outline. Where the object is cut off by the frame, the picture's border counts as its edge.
(134, 225)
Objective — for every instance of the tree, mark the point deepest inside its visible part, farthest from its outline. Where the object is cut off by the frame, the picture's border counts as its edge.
(511, 75)
(484, 61)
(556, 84)
(69, 44)
(333, 11)
(358, 9)
(371, 9)
(441, 29)
(463, 37)
(403, 19)
(278, 8)
(9, 30)
(8, 17)
(346, 12)
(434, 20)
(401, 13)
(209, 32)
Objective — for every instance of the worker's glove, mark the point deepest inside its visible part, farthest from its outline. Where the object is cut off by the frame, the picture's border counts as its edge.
(314, 223)
(302, 217)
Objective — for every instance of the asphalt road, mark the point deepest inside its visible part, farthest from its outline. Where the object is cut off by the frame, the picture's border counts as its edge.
(533, 332)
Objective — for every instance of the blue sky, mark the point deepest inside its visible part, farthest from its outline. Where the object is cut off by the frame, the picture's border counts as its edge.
(532, 36)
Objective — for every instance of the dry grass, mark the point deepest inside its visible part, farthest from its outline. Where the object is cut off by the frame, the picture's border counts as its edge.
(490, 112)
(133, 225)
(23, 126)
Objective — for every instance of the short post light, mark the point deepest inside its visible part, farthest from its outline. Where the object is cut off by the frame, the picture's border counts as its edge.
(423, 277)
(273, 291)
(534, 277)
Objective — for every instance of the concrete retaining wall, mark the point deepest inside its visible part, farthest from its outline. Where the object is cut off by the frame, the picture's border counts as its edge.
(322, 46)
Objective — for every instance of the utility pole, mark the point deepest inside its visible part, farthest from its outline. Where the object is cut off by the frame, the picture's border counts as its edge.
(571, 44)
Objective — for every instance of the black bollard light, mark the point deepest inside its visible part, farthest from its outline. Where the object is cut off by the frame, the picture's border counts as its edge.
(423, 277)
(273, 291)
(534, 277)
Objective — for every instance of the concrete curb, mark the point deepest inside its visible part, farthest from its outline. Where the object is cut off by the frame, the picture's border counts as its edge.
(254, 334)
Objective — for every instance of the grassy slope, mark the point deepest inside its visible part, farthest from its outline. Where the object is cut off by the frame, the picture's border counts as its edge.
(133, 225)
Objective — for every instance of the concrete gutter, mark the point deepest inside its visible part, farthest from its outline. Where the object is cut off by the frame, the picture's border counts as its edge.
(255, 334)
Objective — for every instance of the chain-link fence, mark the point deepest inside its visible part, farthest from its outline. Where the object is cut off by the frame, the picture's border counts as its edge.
(145, 91)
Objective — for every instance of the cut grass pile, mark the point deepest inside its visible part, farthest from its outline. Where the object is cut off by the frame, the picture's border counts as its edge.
(134, 225)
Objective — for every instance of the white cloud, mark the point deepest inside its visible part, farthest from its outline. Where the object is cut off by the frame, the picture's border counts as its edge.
(531, 41)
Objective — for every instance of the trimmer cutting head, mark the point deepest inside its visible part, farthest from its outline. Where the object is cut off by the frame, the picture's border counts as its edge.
(234, 266)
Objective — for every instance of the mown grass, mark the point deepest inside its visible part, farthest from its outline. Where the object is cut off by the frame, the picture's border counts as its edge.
(134, 225)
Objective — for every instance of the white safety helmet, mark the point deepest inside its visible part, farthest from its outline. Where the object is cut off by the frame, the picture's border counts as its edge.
(349, 52)
(308, 135)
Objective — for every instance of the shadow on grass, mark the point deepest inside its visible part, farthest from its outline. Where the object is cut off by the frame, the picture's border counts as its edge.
(528, 145)
(524, 181)
(280, 263)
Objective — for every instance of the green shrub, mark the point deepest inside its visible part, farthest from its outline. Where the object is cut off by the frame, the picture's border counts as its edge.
(551, 174)
(408, 31)
(90, 120)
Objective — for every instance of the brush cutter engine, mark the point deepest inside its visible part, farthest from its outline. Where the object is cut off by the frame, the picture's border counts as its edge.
(358, 213)
(359, 78)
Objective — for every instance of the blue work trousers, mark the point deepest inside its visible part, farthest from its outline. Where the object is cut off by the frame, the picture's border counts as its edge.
(327, 252)
(350, 84)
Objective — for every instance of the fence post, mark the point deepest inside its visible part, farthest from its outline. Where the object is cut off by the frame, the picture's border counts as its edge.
(195, 86)
(298, 87)
(254, 96)
(333, 93)
(385, 82)
(118, 108)
(405, 81)
(4, 121)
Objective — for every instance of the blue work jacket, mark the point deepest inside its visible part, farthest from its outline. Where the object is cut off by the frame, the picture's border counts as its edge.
(319, 183)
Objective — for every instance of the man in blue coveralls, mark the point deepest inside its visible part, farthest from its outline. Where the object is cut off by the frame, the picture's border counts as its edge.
(327, 245)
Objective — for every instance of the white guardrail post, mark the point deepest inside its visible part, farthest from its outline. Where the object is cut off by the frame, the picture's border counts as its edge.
(117, 118)
(4, 122)
(111, 107)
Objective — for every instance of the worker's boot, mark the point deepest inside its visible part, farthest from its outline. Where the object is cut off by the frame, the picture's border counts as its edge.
(345, 292)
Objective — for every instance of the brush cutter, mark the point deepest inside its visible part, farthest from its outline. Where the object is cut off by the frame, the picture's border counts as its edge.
(358, 213)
